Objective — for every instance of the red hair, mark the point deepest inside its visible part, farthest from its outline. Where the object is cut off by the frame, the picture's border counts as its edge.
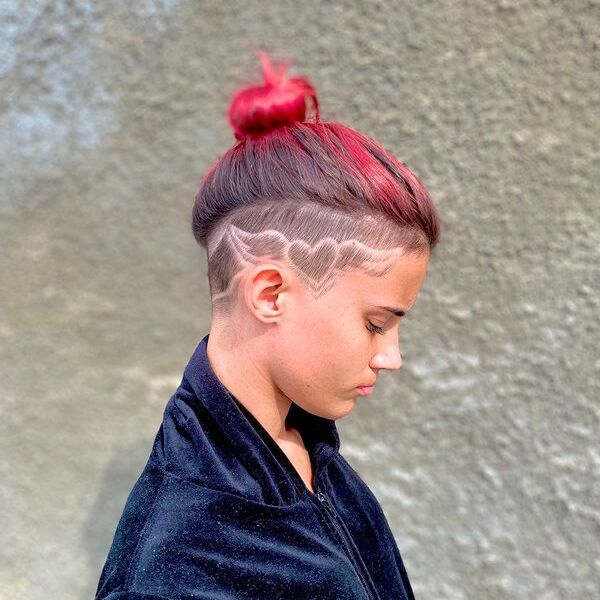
(257, 109)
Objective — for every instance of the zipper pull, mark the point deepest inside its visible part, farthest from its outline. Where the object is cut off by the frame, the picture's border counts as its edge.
(323, 499)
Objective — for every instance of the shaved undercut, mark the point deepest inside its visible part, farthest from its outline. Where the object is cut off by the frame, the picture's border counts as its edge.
(317, 242)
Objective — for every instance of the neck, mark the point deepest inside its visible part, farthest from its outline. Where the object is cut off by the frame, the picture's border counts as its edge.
(238, 365)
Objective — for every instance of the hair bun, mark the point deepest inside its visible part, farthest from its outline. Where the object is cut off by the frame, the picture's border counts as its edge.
(280, 101)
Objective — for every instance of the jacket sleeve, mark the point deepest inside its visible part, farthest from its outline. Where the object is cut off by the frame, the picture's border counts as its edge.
(401, 566)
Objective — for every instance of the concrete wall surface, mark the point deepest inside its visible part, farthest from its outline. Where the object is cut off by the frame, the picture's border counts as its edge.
(484, 448)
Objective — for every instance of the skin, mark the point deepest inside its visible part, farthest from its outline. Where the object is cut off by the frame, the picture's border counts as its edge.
(283, 345)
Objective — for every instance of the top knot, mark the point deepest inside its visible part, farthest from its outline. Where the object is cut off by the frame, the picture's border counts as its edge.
(280, 101)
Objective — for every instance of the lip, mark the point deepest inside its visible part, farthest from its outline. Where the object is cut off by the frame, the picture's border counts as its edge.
(365, 390)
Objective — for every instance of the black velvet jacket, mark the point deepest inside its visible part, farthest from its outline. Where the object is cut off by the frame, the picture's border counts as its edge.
(219, 512)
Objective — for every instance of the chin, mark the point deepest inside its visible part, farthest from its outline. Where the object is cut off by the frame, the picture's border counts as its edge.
(335, 408)
(344, 410)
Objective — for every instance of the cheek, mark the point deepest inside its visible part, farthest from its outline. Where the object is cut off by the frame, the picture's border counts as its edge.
(325, 345)
(341, 352)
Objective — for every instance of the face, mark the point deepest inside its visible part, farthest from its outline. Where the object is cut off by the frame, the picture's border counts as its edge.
(323, 349)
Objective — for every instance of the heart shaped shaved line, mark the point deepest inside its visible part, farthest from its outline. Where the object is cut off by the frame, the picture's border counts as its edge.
(316, 265)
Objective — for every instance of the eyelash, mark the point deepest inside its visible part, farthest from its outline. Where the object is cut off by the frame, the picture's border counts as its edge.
(374, 328)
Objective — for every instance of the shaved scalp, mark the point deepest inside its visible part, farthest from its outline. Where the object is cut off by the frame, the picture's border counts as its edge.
(317, 243)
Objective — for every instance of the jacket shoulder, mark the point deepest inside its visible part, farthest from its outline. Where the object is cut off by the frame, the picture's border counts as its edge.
(134, 522)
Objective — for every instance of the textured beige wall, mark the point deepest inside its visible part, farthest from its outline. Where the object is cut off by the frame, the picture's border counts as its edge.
(484, 448)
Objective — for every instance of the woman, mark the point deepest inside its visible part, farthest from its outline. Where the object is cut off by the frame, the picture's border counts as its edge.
(318, 242)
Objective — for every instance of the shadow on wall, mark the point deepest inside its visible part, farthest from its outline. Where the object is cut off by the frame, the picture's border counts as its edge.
(119, 479)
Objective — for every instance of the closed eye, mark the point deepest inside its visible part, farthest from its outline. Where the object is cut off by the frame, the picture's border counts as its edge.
(374, 328)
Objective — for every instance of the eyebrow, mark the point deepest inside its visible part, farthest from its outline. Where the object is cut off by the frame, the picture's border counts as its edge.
(397, 311)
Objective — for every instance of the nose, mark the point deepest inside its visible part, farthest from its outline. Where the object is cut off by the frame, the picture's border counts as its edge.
(390, 358)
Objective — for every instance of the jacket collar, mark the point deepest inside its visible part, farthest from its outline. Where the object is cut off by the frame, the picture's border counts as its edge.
(244, 431)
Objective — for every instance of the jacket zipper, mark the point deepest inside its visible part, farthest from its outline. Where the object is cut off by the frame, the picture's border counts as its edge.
(350, 550)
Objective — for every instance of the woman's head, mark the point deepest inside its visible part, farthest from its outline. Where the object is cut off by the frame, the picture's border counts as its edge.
(309, 225)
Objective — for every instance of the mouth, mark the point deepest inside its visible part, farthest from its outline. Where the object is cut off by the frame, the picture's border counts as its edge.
(365, 390)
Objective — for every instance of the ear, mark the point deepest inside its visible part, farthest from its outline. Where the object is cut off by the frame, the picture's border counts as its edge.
(265, 291)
